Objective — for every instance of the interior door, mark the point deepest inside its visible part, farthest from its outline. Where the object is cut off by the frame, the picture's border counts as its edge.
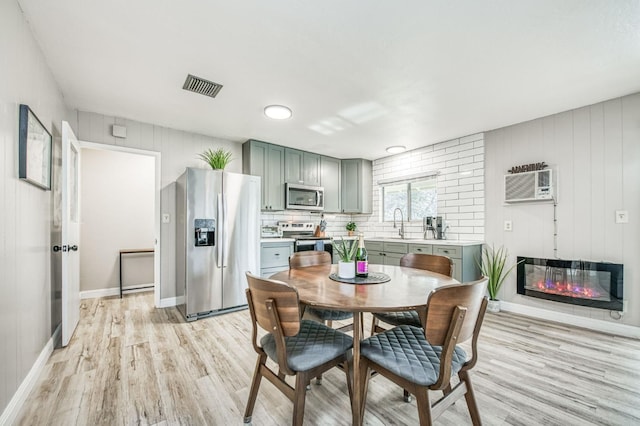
(69, 256)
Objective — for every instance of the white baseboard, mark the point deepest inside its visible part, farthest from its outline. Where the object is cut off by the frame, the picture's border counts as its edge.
(107, 292)
(171, 301)
(577, 321)
(167, 302)
(10, 413)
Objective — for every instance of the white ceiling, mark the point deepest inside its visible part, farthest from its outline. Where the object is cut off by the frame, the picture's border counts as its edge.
(359, 75)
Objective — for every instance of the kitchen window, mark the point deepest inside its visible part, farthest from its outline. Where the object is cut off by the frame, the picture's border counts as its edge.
(417, 198)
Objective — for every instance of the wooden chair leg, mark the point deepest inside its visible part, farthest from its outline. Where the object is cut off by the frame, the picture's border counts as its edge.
(406, 396)
(374, 324)
(424, 406)
(347, 371)
(470, 397)
(364, 384)
(299, 399)
(255, 385)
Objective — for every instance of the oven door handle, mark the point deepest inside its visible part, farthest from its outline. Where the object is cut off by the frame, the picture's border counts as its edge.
(312, 242)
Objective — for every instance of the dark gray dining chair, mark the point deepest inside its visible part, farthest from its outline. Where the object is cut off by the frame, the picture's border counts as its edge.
(305, 259)
(425, 359)
(429, 262)
(300, 348)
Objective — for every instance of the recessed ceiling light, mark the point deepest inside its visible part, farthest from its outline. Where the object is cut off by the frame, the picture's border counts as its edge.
(396, 149)
(277, 112)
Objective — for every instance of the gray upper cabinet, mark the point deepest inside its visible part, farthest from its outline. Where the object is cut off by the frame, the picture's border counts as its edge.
(356, 186)
(301, 167)
(267, 161)
(330, 180)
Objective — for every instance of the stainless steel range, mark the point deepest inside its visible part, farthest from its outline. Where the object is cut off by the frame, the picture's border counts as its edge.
(303, 232)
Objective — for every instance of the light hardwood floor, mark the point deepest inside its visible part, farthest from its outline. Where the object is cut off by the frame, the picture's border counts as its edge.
(129, 363)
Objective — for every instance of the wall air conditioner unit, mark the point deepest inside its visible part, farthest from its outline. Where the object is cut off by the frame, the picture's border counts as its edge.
(528, 186)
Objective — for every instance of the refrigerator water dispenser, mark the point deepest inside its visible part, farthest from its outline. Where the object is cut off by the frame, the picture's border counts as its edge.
(205, 232)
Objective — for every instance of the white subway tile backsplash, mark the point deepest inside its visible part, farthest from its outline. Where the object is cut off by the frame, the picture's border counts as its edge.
(459, 148)
(460, 195)
(460, 188)
(472, 194)
(477, 137)
(463, 202)
(471, 180)
(474, 208)
(459, 161)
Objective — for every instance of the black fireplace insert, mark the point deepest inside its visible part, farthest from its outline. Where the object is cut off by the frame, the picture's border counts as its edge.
(598, 285)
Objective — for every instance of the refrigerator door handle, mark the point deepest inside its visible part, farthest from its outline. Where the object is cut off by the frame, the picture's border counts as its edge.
(220, 235)
(225, 252)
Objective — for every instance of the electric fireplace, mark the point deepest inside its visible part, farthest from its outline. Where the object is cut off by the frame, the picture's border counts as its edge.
(598, 285)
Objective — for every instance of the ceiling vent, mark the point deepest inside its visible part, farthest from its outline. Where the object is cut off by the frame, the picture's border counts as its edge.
(201, 86)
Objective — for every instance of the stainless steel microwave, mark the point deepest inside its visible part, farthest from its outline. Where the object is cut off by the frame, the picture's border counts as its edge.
(304, 197)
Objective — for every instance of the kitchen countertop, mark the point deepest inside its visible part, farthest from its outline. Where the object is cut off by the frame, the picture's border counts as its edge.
(387, 239)
(422, 241)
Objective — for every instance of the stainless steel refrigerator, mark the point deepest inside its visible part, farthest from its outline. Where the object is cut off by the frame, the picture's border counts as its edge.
(218, 240)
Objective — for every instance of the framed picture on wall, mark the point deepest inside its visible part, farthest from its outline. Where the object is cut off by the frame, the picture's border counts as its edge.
(34, 164)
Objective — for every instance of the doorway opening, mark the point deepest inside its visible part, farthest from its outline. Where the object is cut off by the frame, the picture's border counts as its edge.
(120, 212)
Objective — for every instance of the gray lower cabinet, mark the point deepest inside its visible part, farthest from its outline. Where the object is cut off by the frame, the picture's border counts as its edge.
(375, 252)
(465, 258)
(385, 253)
(267, 161)
(330, 180)
(274, 257)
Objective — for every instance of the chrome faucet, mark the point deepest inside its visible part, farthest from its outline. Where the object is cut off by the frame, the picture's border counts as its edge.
(401, 230)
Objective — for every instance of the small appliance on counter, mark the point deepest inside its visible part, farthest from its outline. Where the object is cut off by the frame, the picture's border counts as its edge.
(270, 231)
(437, 225)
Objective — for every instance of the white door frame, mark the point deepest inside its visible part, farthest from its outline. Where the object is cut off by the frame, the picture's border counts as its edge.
(156, 204)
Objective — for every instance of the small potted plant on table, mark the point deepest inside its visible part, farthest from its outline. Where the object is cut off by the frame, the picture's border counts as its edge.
(351, 228)
(346, 250)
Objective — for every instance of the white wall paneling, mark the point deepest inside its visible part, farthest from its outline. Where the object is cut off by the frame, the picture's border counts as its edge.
(29, 296)
(595, 154)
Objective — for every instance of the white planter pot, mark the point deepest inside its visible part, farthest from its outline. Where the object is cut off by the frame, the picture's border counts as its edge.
(346, 269)
(493, 306)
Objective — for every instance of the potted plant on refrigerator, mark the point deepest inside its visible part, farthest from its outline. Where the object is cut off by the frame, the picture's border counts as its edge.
(493, 265)
(346, 250)
(351, 228)
(217, 159)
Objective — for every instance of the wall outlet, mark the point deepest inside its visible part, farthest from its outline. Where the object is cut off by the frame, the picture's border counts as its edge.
(622, 216)
(166, 218)
(508, 225)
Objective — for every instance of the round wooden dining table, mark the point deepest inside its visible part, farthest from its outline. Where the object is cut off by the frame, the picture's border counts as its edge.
(407, 289)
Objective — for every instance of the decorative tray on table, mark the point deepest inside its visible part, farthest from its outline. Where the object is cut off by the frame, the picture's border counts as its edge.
(373, 278)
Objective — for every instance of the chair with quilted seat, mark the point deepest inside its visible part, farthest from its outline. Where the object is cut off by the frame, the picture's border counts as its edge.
(304, 259)
(429, 262)
(300, 348)
(423, 359)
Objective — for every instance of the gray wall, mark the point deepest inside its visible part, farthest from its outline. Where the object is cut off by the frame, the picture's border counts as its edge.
(117, 200)
(179, 149)
(29, 304)
(595, 151)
